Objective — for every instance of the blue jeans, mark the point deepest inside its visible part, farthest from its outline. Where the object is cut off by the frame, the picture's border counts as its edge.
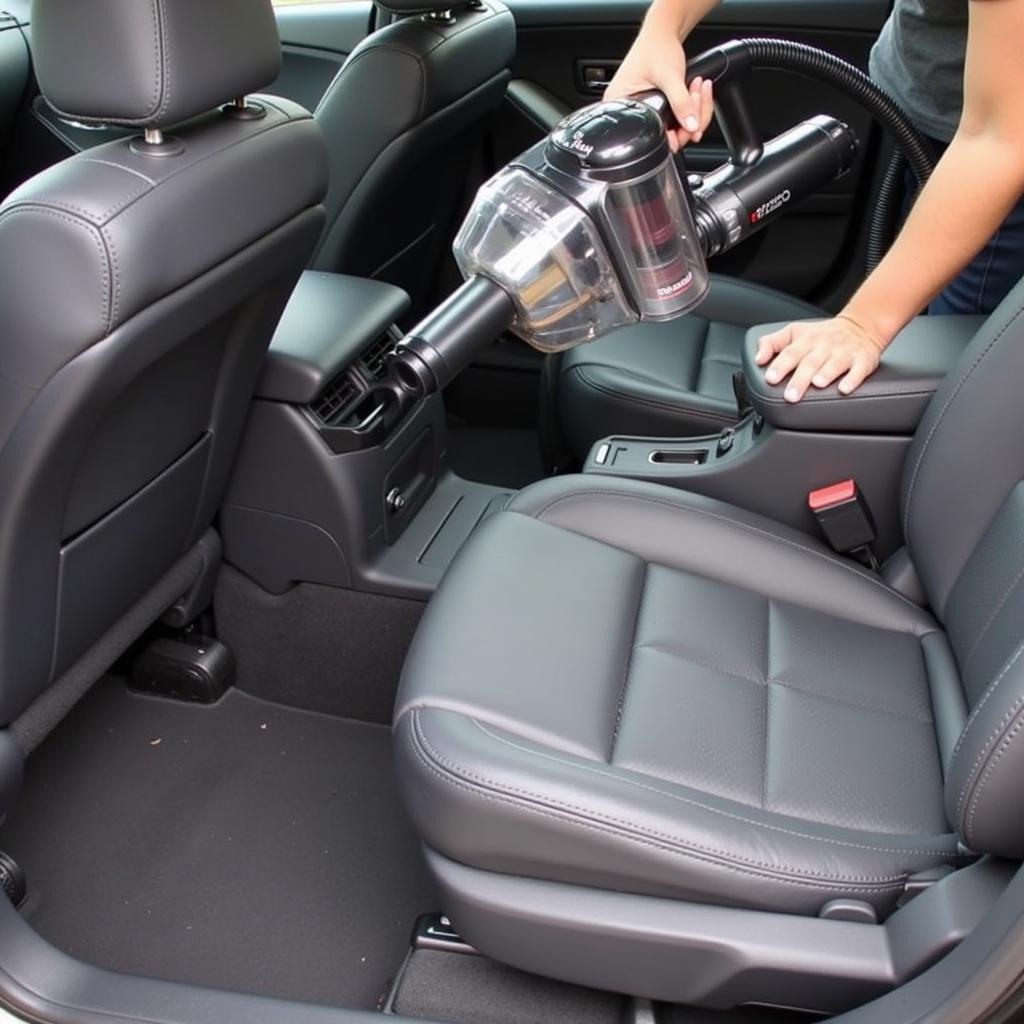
(987, 279)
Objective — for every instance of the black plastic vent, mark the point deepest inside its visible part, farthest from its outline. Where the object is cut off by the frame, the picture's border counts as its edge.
(375, 358)
(336, 399)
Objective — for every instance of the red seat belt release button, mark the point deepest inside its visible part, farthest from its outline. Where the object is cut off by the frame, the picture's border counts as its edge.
(844, 518)
(834, 494)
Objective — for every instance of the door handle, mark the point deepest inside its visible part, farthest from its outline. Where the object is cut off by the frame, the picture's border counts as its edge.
(593, 76)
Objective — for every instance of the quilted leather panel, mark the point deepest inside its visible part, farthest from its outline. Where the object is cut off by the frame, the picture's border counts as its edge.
(779, 707)
(587, 702)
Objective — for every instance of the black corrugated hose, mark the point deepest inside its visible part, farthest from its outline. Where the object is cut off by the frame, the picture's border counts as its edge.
(911, 147)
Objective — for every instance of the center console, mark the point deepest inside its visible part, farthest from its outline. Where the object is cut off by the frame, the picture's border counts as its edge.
(343, 475)
(779, 452)
(334, 483)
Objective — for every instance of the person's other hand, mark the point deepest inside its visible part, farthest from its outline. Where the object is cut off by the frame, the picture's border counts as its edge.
(818, 353)
(656, 61)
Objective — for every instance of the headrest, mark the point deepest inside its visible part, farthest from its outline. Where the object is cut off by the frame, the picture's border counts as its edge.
(151, 63)
(419, 6)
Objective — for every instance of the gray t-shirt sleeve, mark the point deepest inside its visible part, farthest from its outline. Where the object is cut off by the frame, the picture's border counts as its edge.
(919, 60)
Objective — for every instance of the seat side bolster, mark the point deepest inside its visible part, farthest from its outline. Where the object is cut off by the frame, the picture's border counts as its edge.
(543, 813)
(982, 782)
(711, 538)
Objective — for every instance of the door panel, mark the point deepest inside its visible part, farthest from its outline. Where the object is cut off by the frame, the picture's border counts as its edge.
(807, 250)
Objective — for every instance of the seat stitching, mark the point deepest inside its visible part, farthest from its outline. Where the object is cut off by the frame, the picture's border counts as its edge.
(120, 167)
(97, 237)
(377, 48)
(767, 673)
(976, 766)
(699, 361)
(651, 402)
(785, 684)
(152, 110)
(942, 414)
(677, 652)
(620, 707)
(473, 783)
(450, 779)
(869, 396)
(992, 739)
(992, 618)
(115, 281)
(94, 218)
(627, 780)
(165, 59)
(976, 798)
(731, 522)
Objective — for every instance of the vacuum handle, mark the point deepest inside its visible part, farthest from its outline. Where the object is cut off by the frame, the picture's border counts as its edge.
(658, 102)
(727, 67)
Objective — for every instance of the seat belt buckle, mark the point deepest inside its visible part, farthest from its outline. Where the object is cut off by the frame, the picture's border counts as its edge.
(845, 520)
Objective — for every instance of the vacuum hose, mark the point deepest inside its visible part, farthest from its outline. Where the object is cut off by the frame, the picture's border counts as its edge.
(785, 55)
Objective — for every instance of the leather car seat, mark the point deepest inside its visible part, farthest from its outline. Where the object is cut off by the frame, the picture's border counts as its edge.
(650, 739)
(671, 379)
(401, 119)
(140, 284)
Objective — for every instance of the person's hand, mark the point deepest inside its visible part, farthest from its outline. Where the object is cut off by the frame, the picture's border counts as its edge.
(820, 352)
(656, 61)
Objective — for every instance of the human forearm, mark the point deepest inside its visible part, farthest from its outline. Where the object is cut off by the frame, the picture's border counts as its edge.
(976, 183)
(675, 17)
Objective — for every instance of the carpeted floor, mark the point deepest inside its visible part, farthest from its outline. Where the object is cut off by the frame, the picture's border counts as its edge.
(244, 845)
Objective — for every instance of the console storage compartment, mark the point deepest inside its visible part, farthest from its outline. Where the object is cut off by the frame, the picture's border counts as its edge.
(780, 452)
(336, 481)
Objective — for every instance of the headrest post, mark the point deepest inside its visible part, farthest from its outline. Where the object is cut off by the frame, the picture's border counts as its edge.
(240, 109)
(153, 137)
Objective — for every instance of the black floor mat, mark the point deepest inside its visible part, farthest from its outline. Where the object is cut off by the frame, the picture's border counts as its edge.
(463, 989)
(245, 846)
(504, 458)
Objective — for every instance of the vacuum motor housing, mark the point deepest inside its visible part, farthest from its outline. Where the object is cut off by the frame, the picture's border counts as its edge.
(589, 230)
(594, 228)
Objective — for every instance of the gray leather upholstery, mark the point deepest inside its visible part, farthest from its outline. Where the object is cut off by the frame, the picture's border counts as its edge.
(654, 692)
(963, 516)
(621, 686)
(669, 379)
(138, 295)
(400, 119)
(891, 401)
(150, 63)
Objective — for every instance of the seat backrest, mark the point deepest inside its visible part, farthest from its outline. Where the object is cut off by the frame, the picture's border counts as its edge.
(140, 283)
(401, 120)
(963, 518)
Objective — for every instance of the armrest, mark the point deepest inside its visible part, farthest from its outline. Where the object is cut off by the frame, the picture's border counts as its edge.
(890, 401)
(328, 323)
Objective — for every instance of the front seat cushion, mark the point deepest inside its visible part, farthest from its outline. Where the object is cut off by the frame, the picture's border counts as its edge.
(671, 379)
(623, 686)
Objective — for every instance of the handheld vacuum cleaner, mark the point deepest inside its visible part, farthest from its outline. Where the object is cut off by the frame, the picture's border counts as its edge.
(595, 228)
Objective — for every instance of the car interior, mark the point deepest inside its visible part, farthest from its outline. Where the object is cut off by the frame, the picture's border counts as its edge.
(357, 657)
